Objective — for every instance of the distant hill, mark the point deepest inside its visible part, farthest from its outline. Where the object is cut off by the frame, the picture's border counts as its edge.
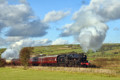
(57, 49)
(105, 50)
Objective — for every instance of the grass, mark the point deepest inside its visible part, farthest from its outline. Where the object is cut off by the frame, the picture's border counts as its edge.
(106, 58)
(56, 49)
(32, 74)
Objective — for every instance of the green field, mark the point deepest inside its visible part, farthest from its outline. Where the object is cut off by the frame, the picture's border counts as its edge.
(107, 59)
(32, 74)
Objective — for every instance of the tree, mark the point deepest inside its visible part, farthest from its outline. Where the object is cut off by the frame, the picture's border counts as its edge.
(2, 62)
(25, 56)
(1, 51)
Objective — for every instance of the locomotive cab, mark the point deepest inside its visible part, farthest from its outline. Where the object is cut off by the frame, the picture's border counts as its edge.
(61, 59)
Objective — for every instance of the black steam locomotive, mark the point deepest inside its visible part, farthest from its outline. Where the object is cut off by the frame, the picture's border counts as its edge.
(73, 60)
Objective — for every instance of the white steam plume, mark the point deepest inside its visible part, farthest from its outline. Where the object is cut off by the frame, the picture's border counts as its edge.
(89, 27)
(14, 49)
(92, 31)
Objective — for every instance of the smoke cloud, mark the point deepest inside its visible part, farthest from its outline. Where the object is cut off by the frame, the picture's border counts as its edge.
(14, 49)
(89, 27)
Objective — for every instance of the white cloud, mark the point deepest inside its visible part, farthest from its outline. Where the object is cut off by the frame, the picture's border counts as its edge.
(17, 24)
(13, 39)
(41, 42)
(2, 42)
(32, 29)
(66, 30)
(107, 10)
(7, 41)
(89, 27)
(21, 20)
(2, 1)
(98, 11)
(23, 1)
(55, 16)
(59, 42)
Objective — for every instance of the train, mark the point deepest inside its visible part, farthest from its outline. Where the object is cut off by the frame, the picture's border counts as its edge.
(68, 60)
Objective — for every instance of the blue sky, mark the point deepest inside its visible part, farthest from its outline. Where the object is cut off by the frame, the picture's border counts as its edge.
(25, 20)
(113, 32)
(42, 7)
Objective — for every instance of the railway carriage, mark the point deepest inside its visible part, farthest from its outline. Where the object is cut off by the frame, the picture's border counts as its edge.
(44, 60)
(69, 60)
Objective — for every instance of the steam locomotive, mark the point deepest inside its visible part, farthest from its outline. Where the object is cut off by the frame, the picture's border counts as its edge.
(68, 60)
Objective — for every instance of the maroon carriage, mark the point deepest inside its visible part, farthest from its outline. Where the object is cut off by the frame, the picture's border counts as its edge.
(44, 60)
(15, 62)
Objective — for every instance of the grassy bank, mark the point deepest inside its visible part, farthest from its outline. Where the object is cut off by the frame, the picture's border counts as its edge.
(38, 74)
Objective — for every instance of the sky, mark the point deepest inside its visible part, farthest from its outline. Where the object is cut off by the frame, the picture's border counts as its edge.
(42, 7)
(29, 23)
(49, 20)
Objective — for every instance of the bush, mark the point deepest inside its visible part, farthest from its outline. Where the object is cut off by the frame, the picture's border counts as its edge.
(100, 62)
(2, 62)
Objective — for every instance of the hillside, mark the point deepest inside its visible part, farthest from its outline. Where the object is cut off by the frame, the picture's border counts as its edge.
(105, 51)
(108, 57)
(56, 49)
